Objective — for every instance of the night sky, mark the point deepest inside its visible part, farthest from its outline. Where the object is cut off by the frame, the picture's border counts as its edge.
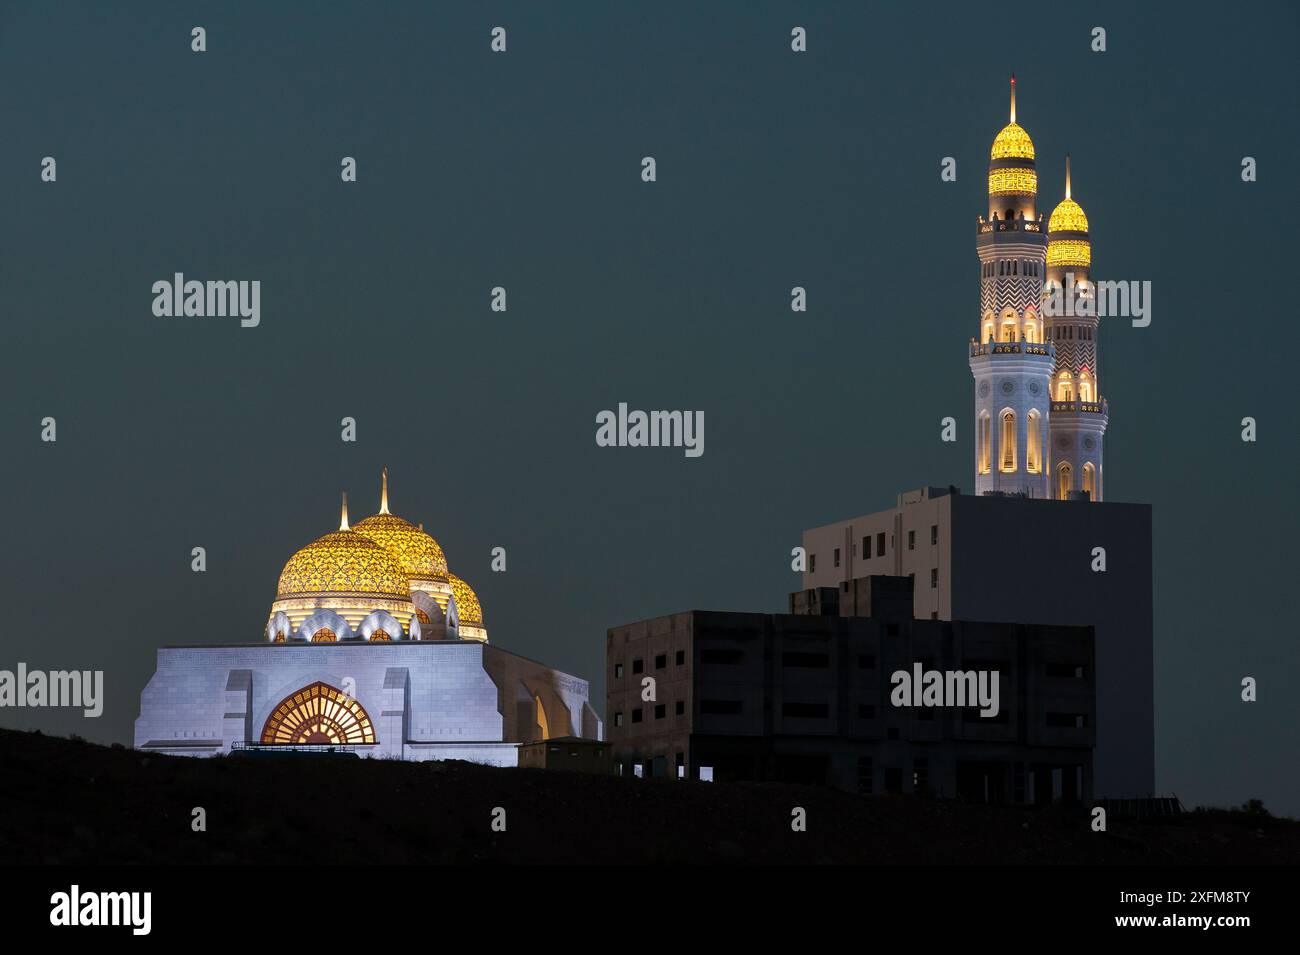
(523, 170)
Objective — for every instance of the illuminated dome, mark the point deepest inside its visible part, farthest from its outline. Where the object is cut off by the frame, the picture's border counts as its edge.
(416, 552)
(1068, 217)
(1012, 143)
(343, 562)
(467, 605)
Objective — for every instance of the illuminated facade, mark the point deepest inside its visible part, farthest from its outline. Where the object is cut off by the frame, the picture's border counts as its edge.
(1039, 416)
(372, 645)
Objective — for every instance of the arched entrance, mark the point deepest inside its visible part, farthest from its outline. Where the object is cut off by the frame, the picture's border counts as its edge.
(318, 713)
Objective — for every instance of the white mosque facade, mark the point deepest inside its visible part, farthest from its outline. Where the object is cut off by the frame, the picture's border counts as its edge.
(372, 645)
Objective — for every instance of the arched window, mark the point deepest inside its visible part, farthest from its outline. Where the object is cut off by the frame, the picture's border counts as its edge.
(324, 635)
(1015, 268)
(380, 636)
(1085, 387)
(1033, 442)
(1090, 481)
(982, 443)
(1065, 482)
(318, 714)
(1065, 387)
(1032, 334)
(1001, 266)
(1007, 442)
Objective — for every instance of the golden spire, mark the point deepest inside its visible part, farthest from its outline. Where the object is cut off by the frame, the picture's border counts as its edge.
(383, 494)
(1067, 175)
(1013, 97)
(343, 517)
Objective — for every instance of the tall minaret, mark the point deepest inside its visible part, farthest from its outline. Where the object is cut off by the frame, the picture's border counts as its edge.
(1011, 360)
(1079, 416)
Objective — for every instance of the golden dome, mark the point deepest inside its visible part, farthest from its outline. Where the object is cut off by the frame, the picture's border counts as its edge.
(419, 554)
(1068, 217)
(1012, 143)
(343, 562)
(467, 604)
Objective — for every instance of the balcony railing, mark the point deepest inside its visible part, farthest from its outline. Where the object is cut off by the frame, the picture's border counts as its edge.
(1087, 407)
(1046, 349)
(1010, 225)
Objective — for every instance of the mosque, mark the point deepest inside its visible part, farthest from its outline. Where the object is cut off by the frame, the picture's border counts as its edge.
(372, 645)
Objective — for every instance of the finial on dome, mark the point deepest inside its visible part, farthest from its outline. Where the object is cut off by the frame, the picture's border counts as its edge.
(1067, 175)
(343, 517)
(1013, 97)
(383, 494)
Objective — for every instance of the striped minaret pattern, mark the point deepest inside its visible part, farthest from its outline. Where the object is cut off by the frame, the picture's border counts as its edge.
(1012, 361)
(1078, 413)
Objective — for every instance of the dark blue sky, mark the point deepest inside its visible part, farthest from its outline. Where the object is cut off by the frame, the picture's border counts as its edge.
(522, 170)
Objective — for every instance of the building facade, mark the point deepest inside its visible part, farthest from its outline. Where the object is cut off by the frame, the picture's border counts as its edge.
(1018, 560)
(372, 645)
(806, 697)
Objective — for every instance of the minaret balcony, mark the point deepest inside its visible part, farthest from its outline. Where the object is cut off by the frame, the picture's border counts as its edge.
(1010, 225)
(1081, 407)
(1044, 349)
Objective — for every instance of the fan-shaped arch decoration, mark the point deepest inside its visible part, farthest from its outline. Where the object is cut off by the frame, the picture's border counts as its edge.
(319, 713)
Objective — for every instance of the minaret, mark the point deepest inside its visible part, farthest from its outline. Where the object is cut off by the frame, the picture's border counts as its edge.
(1011, 361)
(1079, 414)
(343, 515)
(383, 493)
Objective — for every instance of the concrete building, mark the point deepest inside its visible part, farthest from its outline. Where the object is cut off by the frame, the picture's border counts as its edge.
(372, 645)
(1025, 561)
(807, 697)
(567, 753)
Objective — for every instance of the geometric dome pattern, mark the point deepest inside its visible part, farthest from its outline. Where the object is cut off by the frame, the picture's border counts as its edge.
(343, 562)
(1068, 217)
(418, 554)
(1012, 143)
(467, 604)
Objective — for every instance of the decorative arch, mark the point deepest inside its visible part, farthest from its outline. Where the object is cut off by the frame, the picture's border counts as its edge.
(1085, 386)
(1009, 326)
(321, 620)
(278, 627)
(1064, 481)
(1065, 387)
(318, 713)
(1090, 480)
(1033, 334)
(1034, 442)
(380, 622)
(1007, 441)
(987, 328)
(983, 440)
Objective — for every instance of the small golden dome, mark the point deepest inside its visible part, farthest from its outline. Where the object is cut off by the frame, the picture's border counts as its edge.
(467, 604)
(1068, 217)
(343, 562)
(1012, 143)
(419, 555)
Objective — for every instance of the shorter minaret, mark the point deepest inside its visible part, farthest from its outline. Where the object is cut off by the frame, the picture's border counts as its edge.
(1079, 413)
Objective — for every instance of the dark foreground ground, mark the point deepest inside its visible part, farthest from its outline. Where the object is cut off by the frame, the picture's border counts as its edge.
(65, 801)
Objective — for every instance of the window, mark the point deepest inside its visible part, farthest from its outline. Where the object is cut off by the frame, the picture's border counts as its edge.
(934, 533)
(934, 577)
(866, 661)
(1089, 480)
(866, 711)
(637, 666)
(731, 657)
(866, 547)
(618, 718)
(661, 710)
(679, 708)
(982, 443)
(661, 661)
(1064, 481)
(880, 544)
(814, 660)
(807, 711)
(618, 671)
(720, 707)
(911, 540)
(1008, 442)
(636, 715)
(680, 658)
(812, 563)
(1033, 442)
(920, 774)
(835, 557)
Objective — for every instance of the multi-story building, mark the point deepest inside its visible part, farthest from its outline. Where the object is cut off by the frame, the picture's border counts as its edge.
(1017, 560)
(808, 697)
